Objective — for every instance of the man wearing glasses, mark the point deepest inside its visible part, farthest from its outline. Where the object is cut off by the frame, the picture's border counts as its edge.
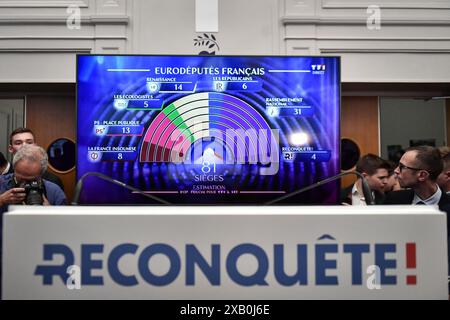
(418, 170)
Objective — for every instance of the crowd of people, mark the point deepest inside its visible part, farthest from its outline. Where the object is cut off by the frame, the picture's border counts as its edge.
(422, 176)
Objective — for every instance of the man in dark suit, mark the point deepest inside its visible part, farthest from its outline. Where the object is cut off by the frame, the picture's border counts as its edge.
(376, 171)
(418, 170)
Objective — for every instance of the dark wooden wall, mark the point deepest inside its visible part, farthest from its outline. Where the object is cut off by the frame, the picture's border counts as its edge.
(52, 117)
(360, 123)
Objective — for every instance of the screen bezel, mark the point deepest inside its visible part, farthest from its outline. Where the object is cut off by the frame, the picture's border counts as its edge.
(339, 84)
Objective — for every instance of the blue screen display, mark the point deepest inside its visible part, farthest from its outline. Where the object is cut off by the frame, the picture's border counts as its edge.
(208, 129)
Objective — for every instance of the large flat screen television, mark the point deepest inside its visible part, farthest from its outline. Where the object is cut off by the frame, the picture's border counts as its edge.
(208, 129)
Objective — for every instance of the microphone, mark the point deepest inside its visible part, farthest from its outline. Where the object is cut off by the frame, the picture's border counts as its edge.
(79, 186)
(365, 186)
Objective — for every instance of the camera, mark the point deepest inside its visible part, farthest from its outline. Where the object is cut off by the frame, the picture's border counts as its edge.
(34, 192)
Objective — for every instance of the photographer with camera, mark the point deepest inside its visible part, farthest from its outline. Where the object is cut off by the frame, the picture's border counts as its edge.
(23, 136)
(25, 185)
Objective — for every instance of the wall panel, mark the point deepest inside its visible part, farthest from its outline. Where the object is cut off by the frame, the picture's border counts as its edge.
(360, 123)
(52, 117)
